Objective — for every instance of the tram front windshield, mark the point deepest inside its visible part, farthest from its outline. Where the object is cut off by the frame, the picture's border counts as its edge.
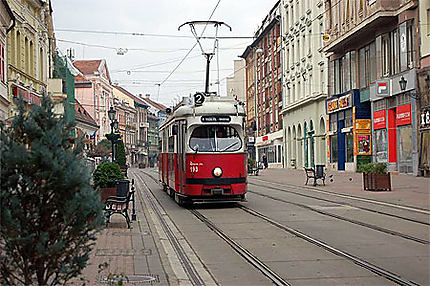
(215, 138)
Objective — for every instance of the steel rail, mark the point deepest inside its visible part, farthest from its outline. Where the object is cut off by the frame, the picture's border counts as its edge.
(185, 261)
(253, 260)
(398, 206)
(257, 263)
(364, 224)
(340, 203)
(367, 265)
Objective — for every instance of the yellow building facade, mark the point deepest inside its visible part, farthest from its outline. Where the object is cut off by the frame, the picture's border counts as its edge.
(30, 50)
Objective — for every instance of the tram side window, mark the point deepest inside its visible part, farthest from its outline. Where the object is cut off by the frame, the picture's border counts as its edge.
(215, 138)
(171, 144)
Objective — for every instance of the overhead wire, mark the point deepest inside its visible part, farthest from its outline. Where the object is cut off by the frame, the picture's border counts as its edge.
(204, 29)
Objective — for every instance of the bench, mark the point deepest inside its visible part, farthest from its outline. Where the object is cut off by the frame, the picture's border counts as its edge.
(118, 205)
(311, 174)
(253, 170)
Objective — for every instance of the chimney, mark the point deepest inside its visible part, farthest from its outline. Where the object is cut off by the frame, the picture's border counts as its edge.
(147, 95)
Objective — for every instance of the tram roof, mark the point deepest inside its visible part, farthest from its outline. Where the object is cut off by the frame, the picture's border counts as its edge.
(211, 106)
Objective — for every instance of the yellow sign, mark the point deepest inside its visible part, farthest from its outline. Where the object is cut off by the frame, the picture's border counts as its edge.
(326, 37)
(362, 124)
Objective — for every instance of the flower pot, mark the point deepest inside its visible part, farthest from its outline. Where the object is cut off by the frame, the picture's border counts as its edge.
(376, 182)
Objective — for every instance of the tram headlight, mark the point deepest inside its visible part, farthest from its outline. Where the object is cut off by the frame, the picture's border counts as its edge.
(217, 172)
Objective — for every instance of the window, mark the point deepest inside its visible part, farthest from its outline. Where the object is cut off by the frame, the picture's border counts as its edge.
(405, 143)
(348, 117)
(215, 138)
(2, 63)
(333, 122)
(310, 42)
(333, 148)
(349, 147)
(367, 66)
(386, 59)
(395, 56)
(287, 18)
(381, 146)
(403, 47)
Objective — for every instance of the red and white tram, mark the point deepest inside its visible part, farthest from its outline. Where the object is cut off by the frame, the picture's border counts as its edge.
(203, 156)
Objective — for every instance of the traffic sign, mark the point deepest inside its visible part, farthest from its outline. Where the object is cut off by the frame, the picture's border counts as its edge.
(326, 37)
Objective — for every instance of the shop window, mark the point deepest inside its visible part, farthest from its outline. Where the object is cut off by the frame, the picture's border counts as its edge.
(333, 149)
(425, 150)
(349, 147)
(279, 154)
(404, 134)
(381, 146)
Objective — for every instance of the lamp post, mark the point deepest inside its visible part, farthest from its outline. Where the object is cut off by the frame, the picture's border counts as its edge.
(256, 51)
(113, 125)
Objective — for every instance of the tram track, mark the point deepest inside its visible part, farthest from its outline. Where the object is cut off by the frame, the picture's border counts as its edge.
(356, 260)
(351, 197)
(353, 221)
(188, 266)
(345, 204)
(248, 256)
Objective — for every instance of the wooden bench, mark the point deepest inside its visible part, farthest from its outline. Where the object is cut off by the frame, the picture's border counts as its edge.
(118, 205)
(310, 174)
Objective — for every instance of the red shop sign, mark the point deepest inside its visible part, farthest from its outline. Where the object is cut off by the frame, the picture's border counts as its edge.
(403, 115)
(265, 138)
(379, 119)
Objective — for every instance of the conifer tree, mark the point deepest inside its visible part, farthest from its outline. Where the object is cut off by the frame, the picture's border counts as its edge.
(49, 211)
(120, 155)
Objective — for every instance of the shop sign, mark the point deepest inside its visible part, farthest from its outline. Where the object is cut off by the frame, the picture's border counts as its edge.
(340, 103)
(425, 118)
(265, 138)
(379, 119)
(403, 115)
(27, 96)
(362, 124)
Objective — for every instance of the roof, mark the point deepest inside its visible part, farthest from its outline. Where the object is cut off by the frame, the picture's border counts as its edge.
(83, 116)
(89, 67)
(81, 78)
(135, 98)
(155, 104)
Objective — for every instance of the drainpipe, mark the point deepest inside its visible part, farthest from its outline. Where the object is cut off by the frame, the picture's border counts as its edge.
(11, 15)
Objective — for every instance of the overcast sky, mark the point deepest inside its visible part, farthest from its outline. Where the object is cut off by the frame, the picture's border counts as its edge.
(144, 64)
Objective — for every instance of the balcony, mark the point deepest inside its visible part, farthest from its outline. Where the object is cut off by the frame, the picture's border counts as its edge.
(380, 13)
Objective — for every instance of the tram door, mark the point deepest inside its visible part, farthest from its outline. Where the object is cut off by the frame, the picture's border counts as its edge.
(180, 162)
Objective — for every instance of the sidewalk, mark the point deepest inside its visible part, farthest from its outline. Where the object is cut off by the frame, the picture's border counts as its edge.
(129, 252)
(406, 189)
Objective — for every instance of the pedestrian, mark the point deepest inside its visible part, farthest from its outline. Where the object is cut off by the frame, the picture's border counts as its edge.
(265, 161)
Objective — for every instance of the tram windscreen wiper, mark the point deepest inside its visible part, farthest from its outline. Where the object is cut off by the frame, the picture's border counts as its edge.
(229, 146)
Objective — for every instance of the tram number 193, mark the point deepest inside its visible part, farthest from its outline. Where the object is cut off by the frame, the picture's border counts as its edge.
(194, 169)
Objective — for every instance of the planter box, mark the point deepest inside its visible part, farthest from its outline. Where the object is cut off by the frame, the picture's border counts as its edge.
(376, 182)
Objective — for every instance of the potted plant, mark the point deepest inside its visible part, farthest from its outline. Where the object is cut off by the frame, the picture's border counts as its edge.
(105, 178)
(121, 158)
(376, 177)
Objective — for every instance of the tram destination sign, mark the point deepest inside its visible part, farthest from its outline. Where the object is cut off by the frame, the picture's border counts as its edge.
(215, 119)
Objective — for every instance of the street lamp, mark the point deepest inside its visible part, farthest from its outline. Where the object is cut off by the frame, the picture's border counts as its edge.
(256, 51)
(113, 125)
(403, 83)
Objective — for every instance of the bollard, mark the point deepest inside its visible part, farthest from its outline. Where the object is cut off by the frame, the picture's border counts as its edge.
(133, 211)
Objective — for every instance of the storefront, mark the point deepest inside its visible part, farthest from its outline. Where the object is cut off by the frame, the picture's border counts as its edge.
(425, 141)
(393, 126)
(271, 145)
(349, 136)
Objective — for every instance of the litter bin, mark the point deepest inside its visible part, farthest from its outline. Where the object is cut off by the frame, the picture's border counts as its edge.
(319, 171)
(122, 187)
